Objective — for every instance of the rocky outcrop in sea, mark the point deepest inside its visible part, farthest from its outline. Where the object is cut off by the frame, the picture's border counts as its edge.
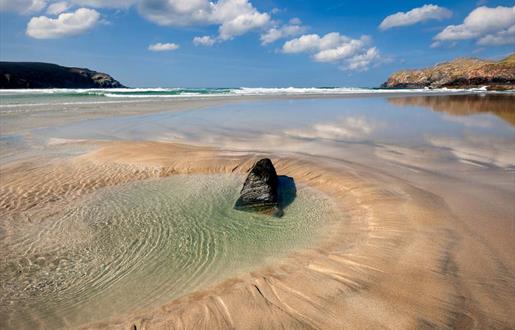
(459, 73)
(18, 75)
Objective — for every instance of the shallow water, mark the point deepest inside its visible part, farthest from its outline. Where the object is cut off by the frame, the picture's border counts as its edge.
(143, 244)
(477, 130)
(460, 148)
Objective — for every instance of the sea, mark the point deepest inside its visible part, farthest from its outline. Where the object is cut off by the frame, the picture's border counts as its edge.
(22, 97)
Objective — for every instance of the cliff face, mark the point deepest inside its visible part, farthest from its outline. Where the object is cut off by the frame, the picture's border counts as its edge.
(14, 75)
(460, 73)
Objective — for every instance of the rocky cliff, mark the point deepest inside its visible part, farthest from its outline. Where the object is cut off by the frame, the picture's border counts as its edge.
(14, 75)
(459, 73)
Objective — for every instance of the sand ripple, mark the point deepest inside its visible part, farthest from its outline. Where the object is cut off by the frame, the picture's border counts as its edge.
(140, 245)
(399, 259)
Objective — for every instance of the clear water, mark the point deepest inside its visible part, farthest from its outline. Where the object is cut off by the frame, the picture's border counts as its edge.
(478, 130)
(143, 244)
(453, 145)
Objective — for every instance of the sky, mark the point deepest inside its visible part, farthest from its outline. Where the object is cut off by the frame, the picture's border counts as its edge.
(250, 43)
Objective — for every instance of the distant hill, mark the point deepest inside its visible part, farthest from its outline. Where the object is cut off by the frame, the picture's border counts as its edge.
(459, 73)
(15, 75)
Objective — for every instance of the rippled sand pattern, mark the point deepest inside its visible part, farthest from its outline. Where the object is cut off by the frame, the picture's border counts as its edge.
(142, 244)
(399, 259)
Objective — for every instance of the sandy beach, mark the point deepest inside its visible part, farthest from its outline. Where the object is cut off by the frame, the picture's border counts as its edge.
(257, 165)
(421, 237)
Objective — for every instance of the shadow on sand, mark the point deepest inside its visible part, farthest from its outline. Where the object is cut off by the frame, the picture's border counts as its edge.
(286, 191)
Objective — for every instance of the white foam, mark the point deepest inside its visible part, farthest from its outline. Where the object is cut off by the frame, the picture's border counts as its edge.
(199, 93)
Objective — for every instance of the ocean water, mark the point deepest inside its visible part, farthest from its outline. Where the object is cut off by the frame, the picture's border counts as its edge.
(9, 98)
(143, 244)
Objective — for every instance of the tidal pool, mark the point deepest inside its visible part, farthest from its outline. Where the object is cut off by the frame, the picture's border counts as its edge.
(143, 244)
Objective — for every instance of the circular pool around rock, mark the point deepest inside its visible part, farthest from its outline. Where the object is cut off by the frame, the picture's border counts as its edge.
(143, 244)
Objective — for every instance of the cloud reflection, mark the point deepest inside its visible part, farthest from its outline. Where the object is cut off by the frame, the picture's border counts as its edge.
(479, 150)
(349, 128)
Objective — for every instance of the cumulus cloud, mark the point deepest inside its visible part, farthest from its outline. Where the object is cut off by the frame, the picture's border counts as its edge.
(163, 47)
(504, 37)
(204, 41)
(489, 26)
(234, 17)
(414, 16)
(58, 8)
(294, 28)
(305, 43)
(65, 25)
(362, 61)
(34, 6)
(105, 3)
(22, 6)
(177, 12)
(343, 49)
(352, 54)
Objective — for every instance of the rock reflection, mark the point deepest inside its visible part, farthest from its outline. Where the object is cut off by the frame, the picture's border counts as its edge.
(500, 105)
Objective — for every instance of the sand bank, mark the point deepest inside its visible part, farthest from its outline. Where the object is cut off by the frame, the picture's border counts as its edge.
(399, 258)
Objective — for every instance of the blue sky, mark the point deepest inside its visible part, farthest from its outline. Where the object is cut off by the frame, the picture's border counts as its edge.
(268, 43)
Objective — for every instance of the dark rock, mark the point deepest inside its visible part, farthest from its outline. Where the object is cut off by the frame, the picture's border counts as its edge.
(260, 190)
(15, 75)
(459, 73)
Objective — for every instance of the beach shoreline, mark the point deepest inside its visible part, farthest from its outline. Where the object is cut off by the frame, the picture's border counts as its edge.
(416, 245)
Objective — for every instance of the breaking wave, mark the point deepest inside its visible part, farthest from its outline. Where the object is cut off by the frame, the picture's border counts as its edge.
(189, 92)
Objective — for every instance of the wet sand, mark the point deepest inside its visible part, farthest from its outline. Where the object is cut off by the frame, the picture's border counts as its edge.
(424, 237)
(401, 259)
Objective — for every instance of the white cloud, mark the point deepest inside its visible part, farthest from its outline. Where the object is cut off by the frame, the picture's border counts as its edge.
(363, 61)
(242, 24)
(351, 54)
(490, 26)
(288, 30)
(414, 16)
(503, 37)
(163, 47)
(65, 25)
(105, 3)
(22, 6)
(34, 6)
(176, 12)
(307, 42)
(344, 49)
(58, 8)
(204, 41)
(234, 17)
